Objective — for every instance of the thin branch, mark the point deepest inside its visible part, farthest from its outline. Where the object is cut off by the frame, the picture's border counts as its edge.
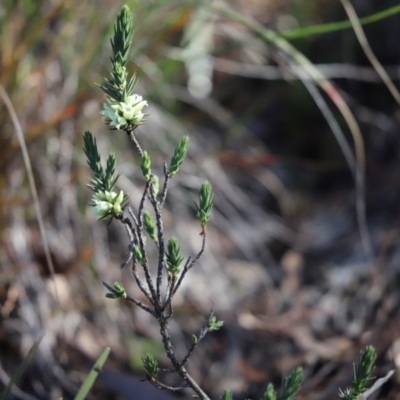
(179, 368)
(179, 282)
(129, 228)
(135, 141)
(128, 256)
(135, 276)
(161, 244)
(133, 216)
(142, 306)
(165, 187)
(143, 248)
(160, 385)
(202, 333)
(200, 253)
(167, 370)
(129, 298)
(133, 239)
(170, 290)
(189, 264)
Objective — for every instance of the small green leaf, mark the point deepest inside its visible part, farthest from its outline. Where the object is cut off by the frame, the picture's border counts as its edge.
(362, 372)
(116, 292)
(150, 366)
(214, 324)
(291, 384)
(179, 156)
(138, 254)
(150, 226)
(93, 159)
(227, 395)
(203, 209)
(174, 258)
(270, 393)
(156, 184)
(146, 165)
(109, 180)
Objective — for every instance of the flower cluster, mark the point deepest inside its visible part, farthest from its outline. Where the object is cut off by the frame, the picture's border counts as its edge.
(108, 204)
(124, 114)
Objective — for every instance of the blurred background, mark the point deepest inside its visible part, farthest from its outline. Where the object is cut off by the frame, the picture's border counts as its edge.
(300, 273)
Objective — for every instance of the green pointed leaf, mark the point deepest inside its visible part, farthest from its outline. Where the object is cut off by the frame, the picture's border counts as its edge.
(91, 378)
(179, 156)
(14, 379)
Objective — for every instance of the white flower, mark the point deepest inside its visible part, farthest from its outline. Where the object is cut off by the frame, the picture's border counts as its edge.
(107, 204)
(102, 209)
(120, 114)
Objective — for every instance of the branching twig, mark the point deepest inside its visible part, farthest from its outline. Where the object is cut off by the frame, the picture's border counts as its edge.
(181, 370)
(161, 385)
(190, 264)
(123, 111)
(133, 216)
(160, 234)
(129, 298)
(202, 333)
(133, 271)
(143, 248)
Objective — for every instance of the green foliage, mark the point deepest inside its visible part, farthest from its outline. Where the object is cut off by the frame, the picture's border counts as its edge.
(203, 209)
(146, 165)
(174, 258)
(101, 181)
(107, 203)
(94, 160)
(109, 179)
(138, 346)
(150, 366)
(291, 385)
(137, 254)
(118, 87)
(214, 324)
(116, 292)
(270, 393)
(156, 184)
(227, 395)
(123, 109)
(179, 156)
(340, 25)
(362, 375)
(150, 225)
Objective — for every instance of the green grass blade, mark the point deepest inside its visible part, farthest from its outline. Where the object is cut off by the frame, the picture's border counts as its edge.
(20, 370)
(329, 88)
(94, 372)
(340, 25)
